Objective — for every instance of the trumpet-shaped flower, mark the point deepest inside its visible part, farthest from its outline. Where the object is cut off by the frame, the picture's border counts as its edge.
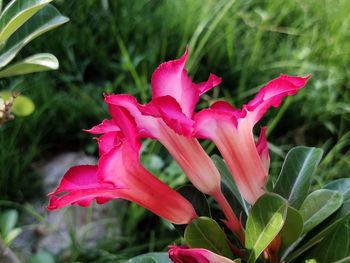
(182, 254)
(168, 118)
(232, 131)
(119, 174)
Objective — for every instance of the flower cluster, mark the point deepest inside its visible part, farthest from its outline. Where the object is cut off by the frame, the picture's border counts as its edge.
(170, 118)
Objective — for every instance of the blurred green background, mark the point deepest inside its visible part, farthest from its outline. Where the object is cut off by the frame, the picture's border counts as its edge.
(115, 45)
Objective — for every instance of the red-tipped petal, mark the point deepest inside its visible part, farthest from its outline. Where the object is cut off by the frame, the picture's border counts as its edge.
(80, 185)
(147, 125)
(122, 167)
(182, 254)
(263, 149)
(170, 112)
(127, 126)
(107, 141)
(209, 121)
(271, 95)
(171, 79)
(104, 127)
(77, 176)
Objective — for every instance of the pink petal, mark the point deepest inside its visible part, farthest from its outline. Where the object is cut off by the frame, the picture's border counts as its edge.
(193, 160)
(77, 176)
(119, 176)
(83, 197)
(80, 185)
(171, 79)
(104, 127)
(182, 254)
(107, 141)
(121, 167)
(263, 149)
(147, 125)
(232, 132)
(127, 125)
(186, 151)
(170, 112)
(236, 144)
(212, 82)
(272, 94)
(227, 107)
(207, 122)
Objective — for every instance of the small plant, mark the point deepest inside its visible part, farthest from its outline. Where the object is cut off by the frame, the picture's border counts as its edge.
(21, 21)
(8, 232)
(262, 220)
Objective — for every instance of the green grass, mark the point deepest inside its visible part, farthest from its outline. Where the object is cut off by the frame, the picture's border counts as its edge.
(114, 46)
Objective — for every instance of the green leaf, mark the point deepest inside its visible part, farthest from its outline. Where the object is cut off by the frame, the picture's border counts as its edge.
(16, 13)
(228, 182)
(265, 221)
(42, 257)
(292, 227)
(320, 232)
(294, 180)
(8, 220)
(11, 235)
(340, 185)
(155, 257)
(335, 247)
(318, 206)
(35, 63)
(197, 199)
(46, 19)
(204, 232)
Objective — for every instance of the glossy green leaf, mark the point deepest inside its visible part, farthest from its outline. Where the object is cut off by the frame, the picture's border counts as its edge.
(155, 257)
(318, 206)
(320, 232)
(335, 247)
(35, 63)
(46, 19)
(294, 180)
(16, 13)
(340, 185)
(227, 180)
(265, 221)
(204, 232)
(292, 227)
(8, 220)
(196, 198)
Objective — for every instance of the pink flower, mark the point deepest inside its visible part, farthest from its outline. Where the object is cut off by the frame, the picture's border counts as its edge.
(168, 119)
(232, 131)
(119, 174)
(182, 254)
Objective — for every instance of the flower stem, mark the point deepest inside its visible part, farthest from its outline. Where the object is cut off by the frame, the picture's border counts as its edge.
(232, 221)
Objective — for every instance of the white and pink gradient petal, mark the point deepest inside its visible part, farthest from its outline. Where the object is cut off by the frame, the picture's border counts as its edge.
(232, 132)
(263, 149)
